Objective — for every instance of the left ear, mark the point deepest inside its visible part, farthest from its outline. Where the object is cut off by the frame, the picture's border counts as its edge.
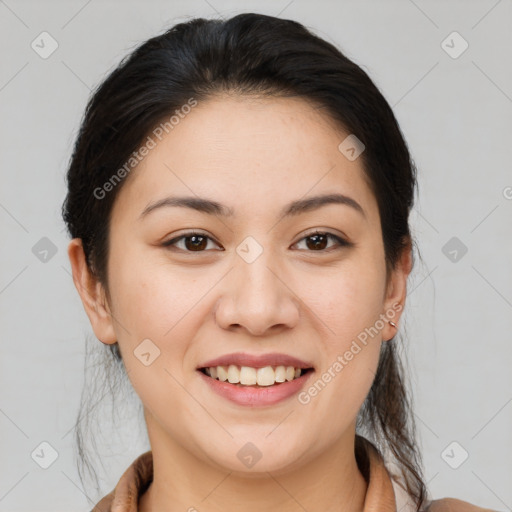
(92, 294)
(396, 292)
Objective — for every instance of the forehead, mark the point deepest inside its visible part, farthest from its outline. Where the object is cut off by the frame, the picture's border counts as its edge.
(248, 152)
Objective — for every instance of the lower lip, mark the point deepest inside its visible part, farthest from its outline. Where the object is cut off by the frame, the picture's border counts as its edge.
(256, 396)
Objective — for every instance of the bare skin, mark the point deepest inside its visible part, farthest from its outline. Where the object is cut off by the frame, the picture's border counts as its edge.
(254, 156)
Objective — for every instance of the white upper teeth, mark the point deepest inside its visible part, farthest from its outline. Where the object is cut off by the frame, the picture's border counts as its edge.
(248, 376)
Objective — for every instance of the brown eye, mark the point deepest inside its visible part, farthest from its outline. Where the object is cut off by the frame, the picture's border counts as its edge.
(198, 242)
(192, 242)
(317, 241)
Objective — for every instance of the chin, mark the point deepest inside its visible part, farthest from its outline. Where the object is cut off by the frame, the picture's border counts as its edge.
(255, 459)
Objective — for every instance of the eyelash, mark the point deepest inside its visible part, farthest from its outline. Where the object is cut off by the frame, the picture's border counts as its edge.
(340, 241)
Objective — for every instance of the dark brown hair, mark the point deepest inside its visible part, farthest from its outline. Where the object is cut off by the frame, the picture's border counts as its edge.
(252, 54)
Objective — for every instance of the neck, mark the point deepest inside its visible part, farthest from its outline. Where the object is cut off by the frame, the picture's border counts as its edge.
(329, 482)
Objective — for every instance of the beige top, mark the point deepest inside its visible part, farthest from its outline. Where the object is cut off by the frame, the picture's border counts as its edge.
(383, 494)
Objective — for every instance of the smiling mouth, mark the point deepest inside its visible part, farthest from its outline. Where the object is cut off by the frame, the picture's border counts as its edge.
(245, 376)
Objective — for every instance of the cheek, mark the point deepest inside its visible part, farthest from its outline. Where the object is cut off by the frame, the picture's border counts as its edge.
(151, 303)
(149, 300)
(350, 300)
(349, 306)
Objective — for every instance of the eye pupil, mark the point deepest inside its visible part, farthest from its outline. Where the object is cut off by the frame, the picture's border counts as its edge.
(195, 237)
(317, 244)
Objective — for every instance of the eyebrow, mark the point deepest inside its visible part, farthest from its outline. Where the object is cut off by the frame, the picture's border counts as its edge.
(211, 207)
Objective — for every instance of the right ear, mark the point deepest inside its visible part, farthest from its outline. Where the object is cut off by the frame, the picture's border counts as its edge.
(92, 293)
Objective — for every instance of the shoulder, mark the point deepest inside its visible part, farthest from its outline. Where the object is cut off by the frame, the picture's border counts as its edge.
(105, 504)
(132, 484)
(454, 505)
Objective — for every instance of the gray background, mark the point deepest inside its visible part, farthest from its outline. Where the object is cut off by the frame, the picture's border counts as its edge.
(455, 114)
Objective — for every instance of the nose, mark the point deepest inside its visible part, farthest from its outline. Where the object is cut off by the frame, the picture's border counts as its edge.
(257, 297)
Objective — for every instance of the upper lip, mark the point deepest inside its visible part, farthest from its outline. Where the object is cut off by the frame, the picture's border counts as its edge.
(256, 361)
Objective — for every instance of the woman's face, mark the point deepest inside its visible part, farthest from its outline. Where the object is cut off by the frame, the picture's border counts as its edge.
(256, 283)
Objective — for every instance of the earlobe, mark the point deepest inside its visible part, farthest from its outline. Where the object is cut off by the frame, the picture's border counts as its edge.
(92, 294)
